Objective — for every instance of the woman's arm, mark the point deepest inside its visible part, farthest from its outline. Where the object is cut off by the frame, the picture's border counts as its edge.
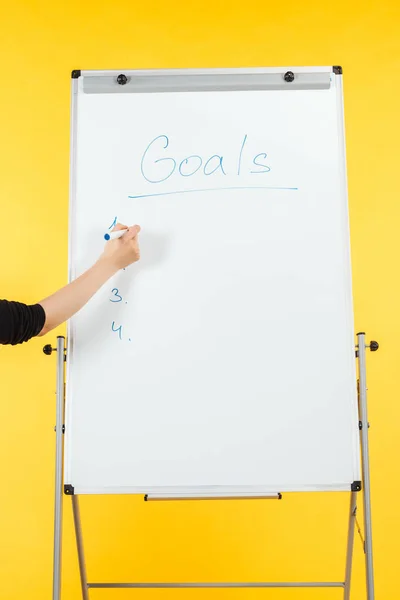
(19, 322)
(69, 300)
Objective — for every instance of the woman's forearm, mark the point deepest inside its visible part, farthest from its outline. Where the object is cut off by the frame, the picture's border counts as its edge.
(64, 303)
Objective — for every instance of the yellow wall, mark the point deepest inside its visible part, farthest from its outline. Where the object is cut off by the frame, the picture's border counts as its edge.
(302, 536)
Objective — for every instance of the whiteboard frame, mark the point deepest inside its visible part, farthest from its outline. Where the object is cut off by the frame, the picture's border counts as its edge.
(305, 78)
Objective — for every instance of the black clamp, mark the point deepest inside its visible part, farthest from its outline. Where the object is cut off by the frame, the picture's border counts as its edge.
(122, 79)
(289, 76)
(373, 346)
(48, 351)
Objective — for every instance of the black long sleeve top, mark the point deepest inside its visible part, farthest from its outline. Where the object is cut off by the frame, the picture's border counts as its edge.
(20, 322)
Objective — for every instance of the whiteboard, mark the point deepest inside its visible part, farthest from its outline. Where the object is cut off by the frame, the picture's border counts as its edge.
(222, 362)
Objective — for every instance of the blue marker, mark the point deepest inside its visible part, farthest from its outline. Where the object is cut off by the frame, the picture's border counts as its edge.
(114, 235)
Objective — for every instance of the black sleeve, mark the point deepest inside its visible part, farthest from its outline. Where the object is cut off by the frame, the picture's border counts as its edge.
(19, 322)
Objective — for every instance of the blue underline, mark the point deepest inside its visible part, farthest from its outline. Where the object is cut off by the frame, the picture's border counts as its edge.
(250, 187)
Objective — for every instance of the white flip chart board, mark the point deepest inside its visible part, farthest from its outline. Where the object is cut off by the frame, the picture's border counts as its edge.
(222, 362)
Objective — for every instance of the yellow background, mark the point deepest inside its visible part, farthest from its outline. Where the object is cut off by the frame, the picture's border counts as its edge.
(302, 536)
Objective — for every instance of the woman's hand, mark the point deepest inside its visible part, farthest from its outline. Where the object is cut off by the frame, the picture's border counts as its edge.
(122, 252)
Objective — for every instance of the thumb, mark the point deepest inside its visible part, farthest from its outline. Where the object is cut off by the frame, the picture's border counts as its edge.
(119, 226)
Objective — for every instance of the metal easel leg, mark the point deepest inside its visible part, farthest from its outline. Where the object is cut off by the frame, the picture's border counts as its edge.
(79, 544)
(58, 503)
(365, 462)
(350, 545)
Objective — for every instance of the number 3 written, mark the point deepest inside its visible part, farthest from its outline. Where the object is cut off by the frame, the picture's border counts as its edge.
(115, 291)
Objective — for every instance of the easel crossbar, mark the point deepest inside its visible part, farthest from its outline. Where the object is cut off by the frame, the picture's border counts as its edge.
(261, 584)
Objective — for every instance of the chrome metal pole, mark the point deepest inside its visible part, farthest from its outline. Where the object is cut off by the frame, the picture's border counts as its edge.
(350, 545)
(79, 544)
(365, 466)
(58, 502)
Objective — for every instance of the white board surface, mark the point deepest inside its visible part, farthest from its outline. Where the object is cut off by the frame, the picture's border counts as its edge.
(224, 360)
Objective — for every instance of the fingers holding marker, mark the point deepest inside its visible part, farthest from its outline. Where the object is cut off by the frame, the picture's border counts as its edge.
(119, 227)
(120, 253)
(122, 230)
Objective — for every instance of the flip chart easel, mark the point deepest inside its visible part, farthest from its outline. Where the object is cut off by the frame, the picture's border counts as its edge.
(261, 147)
